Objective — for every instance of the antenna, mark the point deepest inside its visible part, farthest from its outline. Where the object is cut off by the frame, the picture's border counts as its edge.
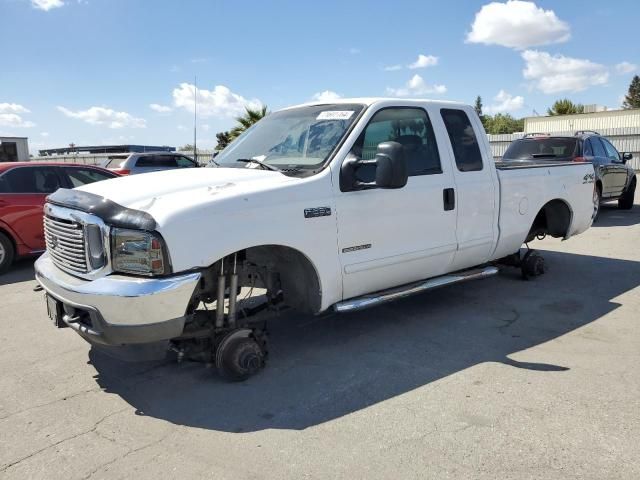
(195, 117)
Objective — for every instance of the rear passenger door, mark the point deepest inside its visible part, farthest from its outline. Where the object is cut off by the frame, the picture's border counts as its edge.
(475, 190)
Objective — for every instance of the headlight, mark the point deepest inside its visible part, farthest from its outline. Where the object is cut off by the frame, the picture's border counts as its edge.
(142, 253)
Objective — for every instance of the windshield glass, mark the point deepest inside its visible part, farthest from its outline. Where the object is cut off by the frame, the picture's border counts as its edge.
(540, 147)
(297, 138)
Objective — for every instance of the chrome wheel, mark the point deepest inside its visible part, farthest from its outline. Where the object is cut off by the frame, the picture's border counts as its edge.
(3, 253)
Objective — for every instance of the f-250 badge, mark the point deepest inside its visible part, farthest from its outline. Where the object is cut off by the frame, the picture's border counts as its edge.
(589, 178)
(317, 212)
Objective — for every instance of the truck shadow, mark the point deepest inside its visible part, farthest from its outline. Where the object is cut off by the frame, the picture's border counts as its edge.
(322, 368)
(611, 216)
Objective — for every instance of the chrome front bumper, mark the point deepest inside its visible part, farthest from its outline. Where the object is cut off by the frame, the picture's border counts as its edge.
(122, 309)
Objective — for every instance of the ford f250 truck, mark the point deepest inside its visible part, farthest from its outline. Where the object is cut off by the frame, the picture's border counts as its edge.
(340, 205)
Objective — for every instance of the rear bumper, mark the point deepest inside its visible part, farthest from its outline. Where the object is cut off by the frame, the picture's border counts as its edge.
(118, 310)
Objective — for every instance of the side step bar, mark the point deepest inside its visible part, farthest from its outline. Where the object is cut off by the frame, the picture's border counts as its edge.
(384, 296)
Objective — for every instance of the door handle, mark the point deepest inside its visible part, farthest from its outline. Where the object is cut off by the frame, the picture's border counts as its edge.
(449, 199)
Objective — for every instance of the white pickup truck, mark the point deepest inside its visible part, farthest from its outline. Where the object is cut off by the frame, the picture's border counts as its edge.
(340, 205)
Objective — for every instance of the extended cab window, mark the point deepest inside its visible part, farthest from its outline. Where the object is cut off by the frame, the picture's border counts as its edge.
(408, 126)
(31, 180)
(463, 140)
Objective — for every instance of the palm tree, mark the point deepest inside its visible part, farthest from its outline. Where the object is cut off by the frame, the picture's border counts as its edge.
(250, 117)
(565, 107)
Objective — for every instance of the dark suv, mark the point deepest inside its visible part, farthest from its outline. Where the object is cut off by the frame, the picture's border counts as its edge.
(615, 180)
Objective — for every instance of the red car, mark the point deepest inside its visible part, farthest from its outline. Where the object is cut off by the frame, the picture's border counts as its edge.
(23, 189)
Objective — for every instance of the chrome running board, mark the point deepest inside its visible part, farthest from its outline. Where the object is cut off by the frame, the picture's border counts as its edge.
(384, 296)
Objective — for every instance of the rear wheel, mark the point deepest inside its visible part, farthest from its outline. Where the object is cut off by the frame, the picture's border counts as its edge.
(7, 252)
(597, 198)
(625, 202)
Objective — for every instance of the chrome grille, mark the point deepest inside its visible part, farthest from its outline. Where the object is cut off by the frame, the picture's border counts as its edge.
(66, 244)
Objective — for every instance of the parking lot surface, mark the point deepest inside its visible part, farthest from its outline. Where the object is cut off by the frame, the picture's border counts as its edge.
(500, 378)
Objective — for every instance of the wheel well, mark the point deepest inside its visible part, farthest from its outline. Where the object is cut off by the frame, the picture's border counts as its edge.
(599, 185)
(553, 219)
(274, 267)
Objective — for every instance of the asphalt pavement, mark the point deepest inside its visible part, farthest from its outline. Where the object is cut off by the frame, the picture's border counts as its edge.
(499, 378)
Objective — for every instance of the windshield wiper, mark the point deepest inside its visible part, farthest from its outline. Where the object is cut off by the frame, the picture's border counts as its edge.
(266, 166)
(541, 155)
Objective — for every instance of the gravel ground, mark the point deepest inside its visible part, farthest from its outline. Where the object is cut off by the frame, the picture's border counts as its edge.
(500, 378)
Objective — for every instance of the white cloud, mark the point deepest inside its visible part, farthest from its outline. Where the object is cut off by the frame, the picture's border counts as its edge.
(15, 121)
(12, 108)
(626, 67)
(105, 116)
(181, 127)
(557, 73)
(326, 96)
(156, 107)
(504, 102)
(219, 102)
(424, 61)
(517, 24)
(46, 5)
(44, 134)
(10, 116)
(414, 87)
(205, 127)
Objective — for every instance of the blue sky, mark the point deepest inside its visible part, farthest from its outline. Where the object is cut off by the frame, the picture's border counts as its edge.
(121, 71)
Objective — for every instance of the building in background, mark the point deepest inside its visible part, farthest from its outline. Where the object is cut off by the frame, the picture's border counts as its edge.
(622, 127)
(14, 149)
(96, 149)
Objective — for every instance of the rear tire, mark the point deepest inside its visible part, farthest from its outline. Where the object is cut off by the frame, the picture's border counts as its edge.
(7, 252)
(597, 202)
(625, 202)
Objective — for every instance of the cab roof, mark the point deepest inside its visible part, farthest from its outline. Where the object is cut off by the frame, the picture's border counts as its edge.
(368, 101)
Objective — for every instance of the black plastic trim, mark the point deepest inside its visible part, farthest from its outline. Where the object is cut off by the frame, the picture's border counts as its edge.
(110, 212)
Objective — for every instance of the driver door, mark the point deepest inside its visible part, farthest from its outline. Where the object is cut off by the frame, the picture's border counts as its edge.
(388, 237)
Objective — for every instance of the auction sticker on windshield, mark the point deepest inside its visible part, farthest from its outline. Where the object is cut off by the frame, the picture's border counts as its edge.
(335, 115)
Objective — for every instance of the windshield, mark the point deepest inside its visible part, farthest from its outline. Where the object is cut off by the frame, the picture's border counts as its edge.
(540, 147)
(295, 139)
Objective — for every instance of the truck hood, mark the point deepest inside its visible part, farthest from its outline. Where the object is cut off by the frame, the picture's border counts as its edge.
(161, 193)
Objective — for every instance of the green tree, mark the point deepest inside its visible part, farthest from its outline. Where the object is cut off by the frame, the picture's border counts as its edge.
(632, 98)
(186, 148)
(502, 123)
(224, 139)
(478, 106)
(565, 107)
(250, 117)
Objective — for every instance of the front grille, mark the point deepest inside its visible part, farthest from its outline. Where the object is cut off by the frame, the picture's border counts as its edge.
(66, 244)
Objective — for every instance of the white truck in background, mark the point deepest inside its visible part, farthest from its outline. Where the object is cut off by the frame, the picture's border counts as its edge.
(340, 205)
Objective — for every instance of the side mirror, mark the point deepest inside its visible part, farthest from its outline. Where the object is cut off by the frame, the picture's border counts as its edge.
(391, 169)
(626, 157)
